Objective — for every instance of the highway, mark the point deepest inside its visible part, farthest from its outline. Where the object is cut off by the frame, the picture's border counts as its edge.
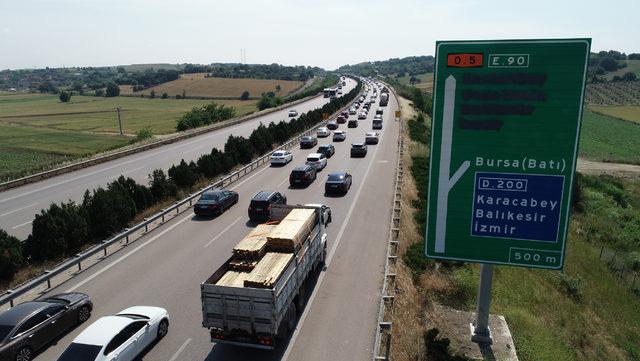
(165, 267)
(19, 205)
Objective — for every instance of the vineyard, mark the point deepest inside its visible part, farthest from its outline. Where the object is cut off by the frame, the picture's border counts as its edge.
(617, 93)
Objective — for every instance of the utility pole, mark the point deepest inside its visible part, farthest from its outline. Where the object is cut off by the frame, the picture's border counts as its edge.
(119, 120)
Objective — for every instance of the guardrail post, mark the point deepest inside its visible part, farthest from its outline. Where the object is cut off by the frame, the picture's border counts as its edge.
(48, 279)
(127, 236)
(162, 217)
(146, 225)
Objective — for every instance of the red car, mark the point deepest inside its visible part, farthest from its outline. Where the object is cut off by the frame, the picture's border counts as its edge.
(341, 119)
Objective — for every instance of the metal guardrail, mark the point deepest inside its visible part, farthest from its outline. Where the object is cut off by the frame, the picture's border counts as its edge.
(10, 295)
(382, 343)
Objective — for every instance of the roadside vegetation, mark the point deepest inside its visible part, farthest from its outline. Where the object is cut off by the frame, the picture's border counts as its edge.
(590, 311)
(608, 139)
(65, 228)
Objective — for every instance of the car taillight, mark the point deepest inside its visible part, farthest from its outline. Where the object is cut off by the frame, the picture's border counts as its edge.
(269, 208)
(265, 340)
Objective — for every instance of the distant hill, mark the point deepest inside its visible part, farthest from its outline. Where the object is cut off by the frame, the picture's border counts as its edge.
(396, 67)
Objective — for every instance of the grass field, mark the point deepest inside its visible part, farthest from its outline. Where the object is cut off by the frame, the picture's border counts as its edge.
(426, 81)
(38, 131)
(629, 112)
(198, 86)
(608, 139)
(632, 66)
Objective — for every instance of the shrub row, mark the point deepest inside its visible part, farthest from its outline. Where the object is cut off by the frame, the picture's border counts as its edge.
(63, 229)
(205, 115)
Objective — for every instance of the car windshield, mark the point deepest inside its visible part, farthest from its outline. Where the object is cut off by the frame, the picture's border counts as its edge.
(313, 159)
(307, 138)
(210, 197)
(358, 145)
(278, 154)
(5, 330)
(336, 177)
(80, 352)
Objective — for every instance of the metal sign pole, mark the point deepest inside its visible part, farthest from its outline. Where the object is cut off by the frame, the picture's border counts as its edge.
(480, 332)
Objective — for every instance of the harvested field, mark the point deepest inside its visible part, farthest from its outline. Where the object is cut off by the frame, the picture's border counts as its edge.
(197, 85)
(628, 112)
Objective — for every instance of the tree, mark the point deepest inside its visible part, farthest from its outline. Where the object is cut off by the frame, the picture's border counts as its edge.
(184, 94)
(413, 80)
(65, 96)
(10, 255)
(278, 88)
(245, 95)
(164, 96)
(58, 231)
(121, 70)
(185, 174)
(152, 94)
(99, 92)
(629, 76)
(634, 56)
(78, 86)
(112, 90)
(160, 186)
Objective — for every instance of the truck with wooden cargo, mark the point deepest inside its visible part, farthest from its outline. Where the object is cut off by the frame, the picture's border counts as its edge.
(254, 299)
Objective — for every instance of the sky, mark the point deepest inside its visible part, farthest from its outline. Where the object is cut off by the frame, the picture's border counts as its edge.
(329, 33)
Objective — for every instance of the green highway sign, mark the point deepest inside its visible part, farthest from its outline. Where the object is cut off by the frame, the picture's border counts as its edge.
(505, 129)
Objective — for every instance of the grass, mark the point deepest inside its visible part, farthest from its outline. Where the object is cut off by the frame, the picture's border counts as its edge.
(626, 112)
(608, 139)
(37, 131)
(97, 114)
(426, 81)
(632, 66)
(198, 85)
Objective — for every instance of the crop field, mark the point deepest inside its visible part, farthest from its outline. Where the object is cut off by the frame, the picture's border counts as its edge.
(426, 81)
(618, 93)
(627, 112)
(197, 85)
(609, 139)
(38, 131)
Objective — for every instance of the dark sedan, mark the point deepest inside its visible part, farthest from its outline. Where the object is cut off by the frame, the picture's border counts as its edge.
(215, 202)
(327, 149)
(28, 327)
(332, 125)
(308, 142)
(338, 182)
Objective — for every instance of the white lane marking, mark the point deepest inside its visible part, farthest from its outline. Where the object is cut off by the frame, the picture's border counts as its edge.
(107, 267)
(383, 161)
(127, 172)
(18, 209)
(184, 345)
(287, 352)
(22, 225)
(222, 232)
(281, 183)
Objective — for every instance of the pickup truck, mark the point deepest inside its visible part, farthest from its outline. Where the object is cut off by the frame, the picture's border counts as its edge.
(263, 317)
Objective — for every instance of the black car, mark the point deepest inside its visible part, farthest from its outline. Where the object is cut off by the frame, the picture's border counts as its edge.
(327, 149)
(377, 124)
(28, 327)
(338, 182)
(302, 175)
(308, 142)
(358, 150)
(332, 125)
(353, 123)
(260, 205)
(215, 202)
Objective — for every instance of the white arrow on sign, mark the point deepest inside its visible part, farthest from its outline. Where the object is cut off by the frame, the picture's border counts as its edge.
(444, 182)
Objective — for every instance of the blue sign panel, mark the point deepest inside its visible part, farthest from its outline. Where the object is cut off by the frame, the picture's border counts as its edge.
(517, 206)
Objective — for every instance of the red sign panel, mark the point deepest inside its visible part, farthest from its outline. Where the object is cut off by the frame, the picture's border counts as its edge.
(464, 60)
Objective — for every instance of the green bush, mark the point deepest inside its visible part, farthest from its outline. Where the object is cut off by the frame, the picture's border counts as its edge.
(58, 231)
(143, 134)
(184, 175)
(108, 211)
(418, 129)
(572, 286)
(10, 255)
(160, 186)
(205, 115)
(269, 100)
(437, 349)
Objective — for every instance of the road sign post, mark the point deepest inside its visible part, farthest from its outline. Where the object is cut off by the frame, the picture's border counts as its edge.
(506, 122)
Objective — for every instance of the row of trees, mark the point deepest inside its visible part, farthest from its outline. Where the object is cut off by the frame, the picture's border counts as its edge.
(205, 115)
(269, 100)
(255, 71)
(411, 65)
(65, 228)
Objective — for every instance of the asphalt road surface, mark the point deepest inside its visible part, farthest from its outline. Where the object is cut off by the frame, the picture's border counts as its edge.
(165, 268)
(19, 205)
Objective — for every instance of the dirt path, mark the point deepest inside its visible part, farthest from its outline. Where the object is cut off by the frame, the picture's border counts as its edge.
(618, 169)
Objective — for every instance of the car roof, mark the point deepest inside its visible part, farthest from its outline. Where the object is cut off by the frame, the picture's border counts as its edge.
(338, 132)
(326, 145)
(263, 195)
(315, 155)
(301, 167)
(17, 314)
(357, 144)
(371, 134)
(213, 191)
(103, 330)
(337, 173)
(307, 137)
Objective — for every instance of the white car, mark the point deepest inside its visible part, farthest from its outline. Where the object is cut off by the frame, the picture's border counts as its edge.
(339, 135)
(293, 113)
(362, 115)
(317, 160)
(323, 132)
(353, 111)
(281, 157)
(371, 138)
(121, 337)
